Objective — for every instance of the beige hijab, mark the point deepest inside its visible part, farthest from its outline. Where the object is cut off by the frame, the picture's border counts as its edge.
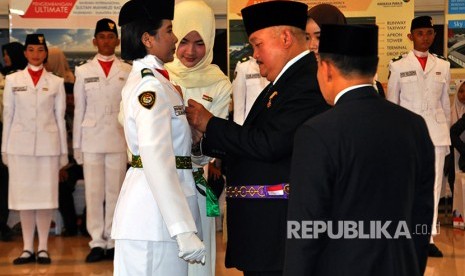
(458, 108)
(57, 64)
(194, 15)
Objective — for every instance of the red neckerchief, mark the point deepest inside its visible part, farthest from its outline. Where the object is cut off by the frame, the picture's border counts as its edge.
(164, 73)
(106, 66)
(422, 61)
(35, 75)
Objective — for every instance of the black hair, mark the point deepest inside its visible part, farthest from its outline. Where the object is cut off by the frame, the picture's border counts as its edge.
(15, 51)
(131, 44)
(350, 65)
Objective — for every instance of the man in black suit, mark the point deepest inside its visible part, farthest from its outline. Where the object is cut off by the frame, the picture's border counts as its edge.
(362, 173)
(259, 152)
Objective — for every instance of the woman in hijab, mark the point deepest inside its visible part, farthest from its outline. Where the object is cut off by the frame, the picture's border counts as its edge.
(194, 25)
(457, 133)
(13, 57)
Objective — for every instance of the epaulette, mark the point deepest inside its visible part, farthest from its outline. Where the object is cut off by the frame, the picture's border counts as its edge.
(397, 58)
(440, 57)
(244, 59)
(82, 62)
(12, 71)
(146, 72)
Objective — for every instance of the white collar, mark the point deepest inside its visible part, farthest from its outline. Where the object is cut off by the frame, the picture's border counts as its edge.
(340, 94)
(289, 63)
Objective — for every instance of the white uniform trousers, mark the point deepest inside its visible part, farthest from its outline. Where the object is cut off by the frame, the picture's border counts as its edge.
(103, 176)
(149, 258)
(209, 240)
(440, 153)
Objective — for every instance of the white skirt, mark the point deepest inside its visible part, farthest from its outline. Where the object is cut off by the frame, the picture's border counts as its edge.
(33, 182)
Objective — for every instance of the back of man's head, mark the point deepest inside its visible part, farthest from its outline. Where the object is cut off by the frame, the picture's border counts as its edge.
(353, 49)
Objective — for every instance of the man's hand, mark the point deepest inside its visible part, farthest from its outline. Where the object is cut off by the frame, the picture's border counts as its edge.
(197, 115)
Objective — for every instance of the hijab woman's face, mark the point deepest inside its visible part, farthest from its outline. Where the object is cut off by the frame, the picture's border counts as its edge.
(461, 93)
(6, 58)
(191, 49)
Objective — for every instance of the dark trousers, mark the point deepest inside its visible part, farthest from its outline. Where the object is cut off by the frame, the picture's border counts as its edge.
(66, 199)
(3, 197)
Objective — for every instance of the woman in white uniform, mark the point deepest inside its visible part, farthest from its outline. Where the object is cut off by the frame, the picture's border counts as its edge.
(194, 25)
(34, 146)
(157, 205)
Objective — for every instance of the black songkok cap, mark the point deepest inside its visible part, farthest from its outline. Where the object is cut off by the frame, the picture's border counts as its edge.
(151, 10)
(349, 40)
(35, 39)
(421, 22)
(106, 25)
(274, 13)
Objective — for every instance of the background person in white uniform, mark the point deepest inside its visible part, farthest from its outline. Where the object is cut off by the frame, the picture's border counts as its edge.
(419, 81)
(247, 85)
(194, 25)
(98, 139)
(34, 146)
(157, 205)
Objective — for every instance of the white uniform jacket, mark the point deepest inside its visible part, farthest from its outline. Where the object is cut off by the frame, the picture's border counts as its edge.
(423, 92)
(247, 85)
(97, 99)
(34, 116)
(158, 201)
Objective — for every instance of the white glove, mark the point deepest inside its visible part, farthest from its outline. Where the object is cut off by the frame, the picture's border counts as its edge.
(5, 159)
(191, 249)
(77, 154)
(63, 160)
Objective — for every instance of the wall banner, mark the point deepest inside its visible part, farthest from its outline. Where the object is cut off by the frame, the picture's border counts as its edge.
(67, 24)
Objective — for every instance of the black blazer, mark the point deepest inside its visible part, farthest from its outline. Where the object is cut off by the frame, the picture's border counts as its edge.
(259, 153)
(366, 159)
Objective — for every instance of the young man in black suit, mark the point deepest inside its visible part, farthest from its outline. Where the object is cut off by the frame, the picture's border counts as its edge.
(362, 173)
(259, 152)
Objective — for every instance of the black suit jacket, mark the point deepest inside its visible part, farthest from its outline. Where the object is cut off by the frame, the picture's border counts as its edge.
(365, 160)
(259, 153)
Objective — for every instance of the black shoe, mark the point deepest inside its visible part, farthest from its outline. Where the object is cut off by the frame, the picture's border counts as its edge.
(25, 260)
(110, 254)
(43, 260)
(96, 254)
(433, 251)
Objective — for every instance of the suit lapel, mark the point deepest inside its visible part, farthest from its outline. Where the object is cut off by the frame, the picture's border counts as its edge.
(430, 62)
(258, 104)
(262, 100)
(114, 69)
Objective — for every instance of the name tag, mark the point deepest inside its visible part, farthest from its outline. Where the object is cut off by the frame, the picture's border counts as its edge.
(45, 89)
(408, 74)
(252, 76)
(89, 80)
(179, 110)
(19, 89)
